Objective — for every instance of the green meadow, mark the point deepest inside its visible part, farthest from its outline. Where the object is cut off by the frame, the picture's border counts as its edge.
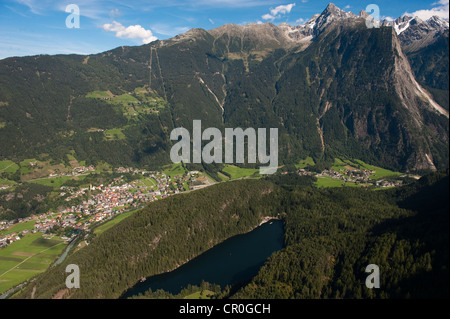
(71, 157)
(114, 134)
(99, 94)
(204, 294)
(26, 258)
(174, 170)
(8, 166)
(6, 182)
(16, 228)
(342, 164)
(25, 166)
(147, 182)
(222, 177)
(56, 182)
(141, 101)
(305, 163)
(238, 172)
(102, 228)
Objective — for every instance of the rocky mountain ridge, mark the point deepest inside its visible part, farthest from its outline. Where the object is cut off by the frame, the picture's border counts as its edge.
(332, 86)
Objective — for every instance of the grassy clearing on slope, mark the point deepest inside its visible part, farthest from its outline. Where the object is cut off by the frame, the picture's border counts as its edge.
(223, 177)
(204, 294)
(6, 182)
(238, 172)
(306, 162)
(102, 228)
(99, 94)
(174, 170)
(8, 166)
(114, 134)
(56, 182)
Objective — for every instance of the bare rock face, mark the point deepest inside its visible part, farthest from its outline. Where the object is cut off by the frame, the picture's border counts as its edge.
(418, 102)
(255, 36)
(415, 33)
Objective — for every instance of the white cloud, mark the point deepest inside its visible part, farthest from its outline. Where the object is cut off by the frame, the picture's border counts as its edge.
(168, 29)
(131, 32)
(278, 12)
(300, 21)
(211, 20)
(440, 10)
(282, 9)
(267, 17)
(347, 6)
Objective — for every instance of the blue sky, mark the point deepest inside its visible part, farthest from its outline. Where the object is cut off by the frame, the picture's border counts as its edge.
(31, 27)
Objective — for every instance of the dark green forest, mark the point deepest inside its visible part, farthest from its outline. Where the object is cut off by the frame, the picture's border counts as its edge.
(331, 235)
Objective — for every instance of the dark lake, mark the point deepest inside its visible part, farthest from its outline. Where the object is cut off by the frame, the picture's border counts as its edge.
(236, 259)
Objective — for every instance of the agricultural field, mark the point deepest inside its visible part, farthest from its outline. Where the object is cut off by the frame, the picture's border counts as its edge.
(16, 228)
(56, 182)
(238, 172)
(174, 170)
(27, 166)
(102, 228)
(222, 177)
(27, 257)
(114, 134)
(340, 164)
(6, 182)
(132, 104)
(31, 169)
(147, 182)
(8, 167)
(100, 94)
(305, 163)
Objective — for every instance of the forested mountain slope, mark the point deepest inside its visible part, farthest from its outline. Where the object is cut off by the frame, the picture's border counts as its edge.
(338, 89)
(331, 235)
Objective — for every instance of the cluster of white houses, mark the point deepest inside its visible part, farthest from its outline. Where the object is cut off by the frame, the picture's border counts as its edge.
(8, 239)
(352, 175)
(75, 171)
(103, 203)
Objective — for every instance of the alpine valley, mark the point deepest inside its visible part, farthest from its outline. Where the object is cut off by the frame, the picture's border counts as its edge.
(340, 94)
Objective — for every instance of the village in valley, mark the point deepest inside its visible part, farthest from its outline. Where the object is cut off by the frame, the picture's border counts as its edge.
(85, 200)
(102, 202)
(90, 205)
(353, 177)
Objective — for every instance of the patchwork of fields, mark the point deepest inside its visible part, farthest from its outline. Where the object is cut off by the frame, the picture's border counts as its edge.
(26, 258)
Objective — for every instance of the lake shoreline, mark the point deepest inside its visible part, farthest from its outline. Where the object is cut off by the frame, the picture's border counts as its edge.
(252, 250)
